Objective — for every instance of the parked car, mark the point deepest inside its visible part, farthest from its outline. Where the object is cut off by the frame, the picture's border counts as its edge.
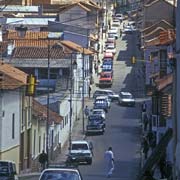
(111, 48)
(108, 55)
(105, 92)
(99, 112)
(80, 152)
(8, 170)
(107, 68)
(105, 79)
(104, 98)
(112, 95)
(113, 33)
(96, 124)
(62, 173)
(126, 98)
(119, 16)
(101, 104)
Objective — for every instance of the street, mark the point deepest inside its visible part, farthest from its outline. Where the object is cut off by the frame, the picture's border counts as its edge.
(123, 130)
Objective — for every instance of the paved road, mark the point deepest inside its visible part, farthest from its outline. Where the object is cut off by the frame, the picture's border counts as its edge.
(123, 130)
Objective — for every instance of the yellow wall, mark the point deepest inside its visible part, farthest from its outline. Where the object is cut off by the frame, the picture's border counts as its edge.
(12, 155)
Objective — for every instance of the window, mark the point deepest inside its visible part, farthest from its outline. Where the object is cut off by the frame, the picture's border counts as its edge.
(34, 145)
(13, 125)
(39, 144)
(43, 73)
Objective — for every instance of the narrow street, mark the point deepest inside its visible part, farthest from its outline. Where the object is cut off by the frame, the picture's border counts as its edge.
(123, 131)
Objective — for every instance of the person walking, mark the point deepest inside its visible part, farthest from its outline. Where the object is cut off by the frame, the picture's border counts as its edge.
(86, 111)
(144, 106)
(89, 91)
(109, 158)
(43, 158)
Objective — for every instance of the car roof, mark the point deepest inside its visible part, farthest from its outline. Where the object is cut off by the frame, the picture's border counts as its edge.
(7, 161)
(98, 110)
(105, 90)
(125, 93)
(79, 142)
(101, 97)
(73, 169)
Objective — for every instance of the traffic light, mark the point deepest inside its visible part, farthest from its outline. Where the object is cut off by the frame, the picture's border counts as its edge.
(133, 60)
(31, 82)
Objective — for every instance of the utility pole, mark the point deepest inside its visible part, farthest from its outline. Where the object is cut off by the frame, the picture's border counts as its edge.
(70, 101)
(47, 121)
(83, 93)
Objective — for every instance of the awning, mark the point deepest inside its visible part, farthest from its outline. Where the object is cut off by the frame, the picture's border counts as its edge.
(156, 154)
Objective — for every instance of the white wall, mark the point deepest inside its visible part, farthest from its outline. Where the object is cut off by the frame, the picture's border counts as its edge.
(11, 103)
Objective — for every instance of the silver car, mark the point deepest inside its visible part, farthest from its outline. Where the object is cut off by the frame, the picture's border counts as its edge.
(126, 98)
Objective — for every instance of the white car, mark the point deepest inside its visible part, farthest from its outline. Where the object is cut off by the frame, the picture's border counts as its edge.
(126, 98)
(111, 48)
(104, 98)
(113, 33)
(61, 173)
(99, 112)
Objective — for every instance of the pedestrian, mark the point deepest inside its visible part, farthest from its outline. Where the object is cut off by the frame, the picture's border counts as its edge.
(109, 158)
(162, 167)
(146, 121)
(89, 91)
(144, 106)
(120, 32)
(86, 111)
(43, 158)
(145, 145)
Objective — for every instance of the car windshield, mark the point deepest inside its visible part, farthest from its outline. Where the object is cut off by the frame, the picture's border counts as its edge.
(79, 147)
(127, 96)
(105, 75)
(59, 175)
(97, 112)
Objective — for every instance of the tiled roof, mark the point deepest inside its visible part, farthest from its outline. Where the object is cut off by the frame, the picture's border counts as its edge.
(163, 82)
(11, 77)
(40, 111)
(167, 37)
(12, 35)
(154, 33)
(55, 52)
(73, 46)
(169, 2)
(163, 23)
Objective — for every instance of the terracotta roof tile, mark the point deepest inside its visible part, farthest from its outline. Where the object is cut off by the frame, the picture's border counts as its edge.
(163, 23)
(40, 111)
(76, 47)
(167, 37)
(38, 52)
(11, 77)
(163, 82)
(12, 35)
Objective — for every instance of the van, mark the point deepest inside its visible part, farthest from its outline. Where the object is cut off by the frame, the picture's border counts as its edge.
(8, 170)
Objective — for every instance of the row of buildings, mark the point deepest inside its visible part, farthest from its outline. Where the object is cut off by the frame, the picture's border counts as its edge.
(59, 49)
(158, 21)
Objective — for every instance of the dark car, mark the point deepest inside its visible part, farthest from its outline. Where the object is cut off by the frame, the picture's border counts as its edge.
(96, 125)
(101, 104)
(8, 170)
